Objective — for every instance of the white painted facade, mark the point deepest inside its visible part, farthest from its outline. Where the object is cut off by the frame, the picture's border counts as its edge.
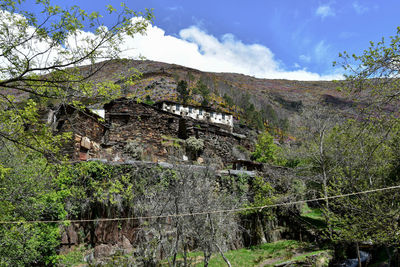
(100, 112)
(198, 113)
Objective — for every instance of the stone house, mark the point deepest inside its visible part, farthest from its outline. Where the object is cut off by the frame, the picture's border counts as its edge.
(137, 131)
(198, 113)
(87, 127)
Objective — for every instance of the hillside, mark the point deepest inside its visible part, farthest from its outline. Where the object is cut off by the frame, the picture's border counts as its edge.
(279, 102)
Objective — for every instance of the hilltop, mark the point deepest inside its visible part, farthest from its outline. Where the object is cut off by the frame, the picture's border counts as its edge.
(279, 102)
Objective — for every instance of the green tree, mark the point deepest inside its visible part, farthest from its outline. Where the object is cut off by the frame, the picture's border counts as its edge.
(372, 80)
(202, 88)
(41, 58)
(183, 91)
(362, 156)
(228, 100)
(265, 150)
(27, 192)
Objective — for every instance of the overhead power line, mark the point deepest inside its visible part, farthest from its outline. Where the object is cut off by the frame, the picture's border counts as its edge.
(206, 212)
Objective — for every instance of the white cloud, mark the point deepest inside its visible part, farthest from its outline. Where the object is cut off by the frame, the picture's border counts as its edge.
(305, 58)
(321, 51)
(325, 11)
(192, 48)
(197, 49)
(360, 9)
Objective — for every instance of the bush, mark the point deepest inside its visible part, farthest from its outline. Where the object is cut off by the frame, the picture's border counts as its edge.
(265, 150)
(194, 146)
(134, 150)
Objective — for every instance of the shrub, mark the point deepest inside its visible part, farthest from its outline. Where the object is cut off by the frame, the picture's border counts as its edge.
(194, 145)
(134, 150)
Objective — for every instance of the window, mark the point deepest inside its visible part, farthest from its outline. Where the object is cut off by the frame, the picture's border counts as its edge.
(223, 116)
(190, 109)
(177, 107)
(200, 112)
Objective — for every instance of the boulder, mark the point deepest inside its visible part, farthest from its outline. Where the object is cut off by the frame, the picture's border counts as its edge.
(102, 251)
(85, 142)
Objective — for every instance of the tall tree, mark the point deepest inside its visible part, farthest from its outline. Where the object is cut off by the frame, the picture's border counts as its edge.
(183, 91)
(202, 88)
(358, 155)
(372, 78)
(364, 159)
(40, 58)
(28, 193)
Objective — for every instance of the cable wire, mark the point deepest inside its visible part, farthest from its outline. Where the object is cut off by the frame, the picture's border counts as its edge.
(206, 212)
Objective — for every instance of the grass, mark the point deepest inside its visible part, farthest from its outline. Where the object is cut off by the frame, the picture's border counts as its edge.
(248, 257)
(308, 212)
(277, 252)
(314, 217)
(169, 141)
(324, 254)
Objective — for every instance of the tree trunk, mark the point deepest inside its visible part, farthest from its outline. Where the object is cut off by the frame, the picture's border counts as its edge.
(207, 256)
(389, 255)
(223, 256)
(358, 254)
(185, 255)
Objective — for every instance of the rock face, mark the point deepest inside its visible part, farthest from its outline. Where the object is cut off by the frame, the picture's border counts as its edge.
(105, 237)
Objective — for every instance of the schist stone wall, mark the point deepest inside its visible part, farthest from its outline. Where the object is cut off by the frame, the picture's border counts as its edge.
(87, 131)
(138, 131)
(141, 124)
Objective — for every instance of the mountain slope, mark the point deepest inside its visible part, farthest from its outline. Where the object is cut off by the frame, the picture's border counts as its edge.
(279, 102)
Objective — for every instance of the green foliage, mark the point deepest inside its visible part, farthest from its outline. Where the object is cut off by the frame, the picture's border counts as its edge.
(27, 193)
(275, 253)
(72, 258)
(171, 141)
(183, 91)
(204, 92)
(314, 217)
(134, 150)
(262, 194)
(148, 100)
(194, 144)
(228, 100)
(265, 150)
(361, 157)
(364, 156)
(251, 116)
(37, 47)
(133, 190)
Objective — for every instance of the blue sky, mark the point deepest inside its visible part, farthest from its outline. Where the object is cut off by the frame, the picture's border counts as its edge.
(268, 39)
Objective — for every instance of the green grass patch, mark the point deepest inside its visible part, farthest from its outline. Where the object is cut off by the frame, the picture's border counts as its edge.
(314, 217)
(169, 141)
(308, 212)
(248, 257)
(72, 258)
(324, 253)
